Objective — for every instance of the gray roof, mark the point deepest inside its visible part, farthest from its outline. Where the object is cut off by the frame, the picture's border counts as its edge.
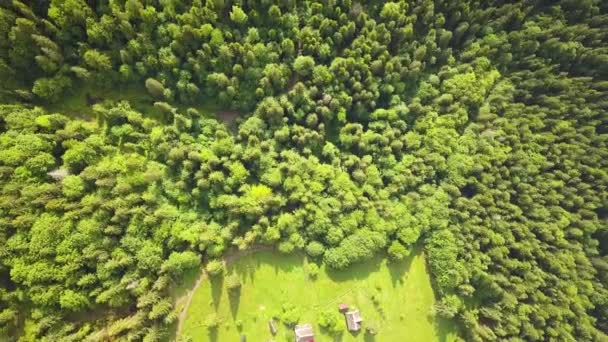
(353, 320)
(303, 332)
(273, 326)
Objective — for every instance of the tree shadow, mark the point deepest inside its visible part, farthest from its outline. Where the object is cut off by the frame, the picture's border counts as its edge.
(336, 337)
(245, 269)
(234, 297)
(445, 328)
(358, 271)
(186, 282)
(217, 284)
(213, 334)
(398, 269)
(281, 262)
(367, 337)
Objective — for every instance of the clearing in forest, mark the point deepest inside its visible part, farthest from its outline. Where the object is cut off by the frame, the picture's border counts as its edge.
(78, 103)
(394, 297)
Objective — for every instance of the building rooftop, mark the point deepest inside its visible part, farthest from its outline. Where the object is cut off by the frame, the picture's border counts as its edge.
(353, 320)
(304, 333)
(273, 326)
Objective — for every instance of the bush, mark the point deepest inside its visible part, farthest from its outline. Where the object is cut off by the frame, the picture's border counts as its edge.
(290, 315)
(51, 89)
(212, 321)
(332, 321)
(312, 270)
(237, 15)
(303, 65)
(180, 262)
(315, 249)
(448, 307)
(155, 88)
(72, 186)
(233, 282)
(397, 251)
(215, 268)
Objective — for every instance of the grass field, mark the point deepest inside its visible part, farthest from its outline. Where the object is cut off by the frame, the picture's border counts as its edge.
(403, 291)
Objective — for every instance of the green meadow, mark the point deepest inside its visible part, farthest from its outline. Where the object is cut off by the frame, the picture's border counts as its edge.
(394, 297)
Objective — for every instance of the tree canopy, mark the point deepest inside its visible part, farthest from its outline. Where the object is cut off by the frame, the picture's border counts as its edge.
(474, 129)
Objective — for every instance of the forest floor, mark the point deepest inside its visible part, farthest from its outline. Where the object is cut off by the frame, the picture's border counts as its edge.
(78, 103)
(402, 305)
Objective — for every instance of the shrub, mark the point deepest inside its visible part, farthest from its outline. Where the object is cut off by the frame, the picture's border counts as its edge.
(212, 321)
(397, 251)
(312, 270)
(155, 88)
(303, 65)
(215, 267)
(315, 249)
(331, 320)
(233, 282)
(290, 314)
(72, 186)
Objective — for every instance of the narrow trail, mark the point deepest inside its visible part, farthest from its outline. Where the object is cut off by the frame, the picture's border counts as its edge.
(228, 260)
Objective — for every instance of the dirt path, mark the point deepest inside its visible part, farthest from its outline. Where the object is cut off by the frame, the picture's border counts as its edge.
(228, 260)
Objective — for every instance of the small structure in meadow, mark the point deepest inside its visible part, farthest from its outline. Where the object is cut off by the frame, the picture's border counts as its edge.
(342, 307)
(353, 320)
(273, 326)
(304, 333)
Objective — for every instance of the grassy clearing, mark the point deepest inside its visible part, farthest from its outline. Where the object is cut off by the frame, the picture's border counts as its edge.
(75, 103)
(403, 291)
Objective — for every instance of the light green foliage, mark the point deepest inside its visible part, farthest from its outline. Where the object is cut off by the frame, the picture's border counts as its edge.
(51, 89)
(215, 268)
(303, 65)
(351, 129)
(233, 282)
(73, 301)
(357, 247)
(73, 186)
(97, 60)
(312, 270)
(237, 15)
(289, 314)
(397, 251)
(315, 249)
(332, 321)
(212, 321)
(180, 262)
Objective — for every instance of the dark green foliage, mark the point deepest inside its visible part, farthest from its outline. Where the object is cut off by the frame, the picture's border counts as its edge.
(477, 130)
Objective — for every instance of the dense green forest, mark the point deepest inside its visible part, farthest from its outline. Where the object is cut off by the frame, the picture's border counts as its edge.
(477, 129)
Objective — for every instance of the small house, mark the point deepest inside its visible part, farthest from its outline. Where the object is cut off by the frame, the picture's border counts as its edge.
(304, 333)
(353, 320)
(343, 307)
(273, 326)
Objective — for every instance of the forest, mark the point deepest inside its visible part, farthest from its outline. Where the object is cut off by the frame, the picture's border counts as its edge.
(475, 129)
